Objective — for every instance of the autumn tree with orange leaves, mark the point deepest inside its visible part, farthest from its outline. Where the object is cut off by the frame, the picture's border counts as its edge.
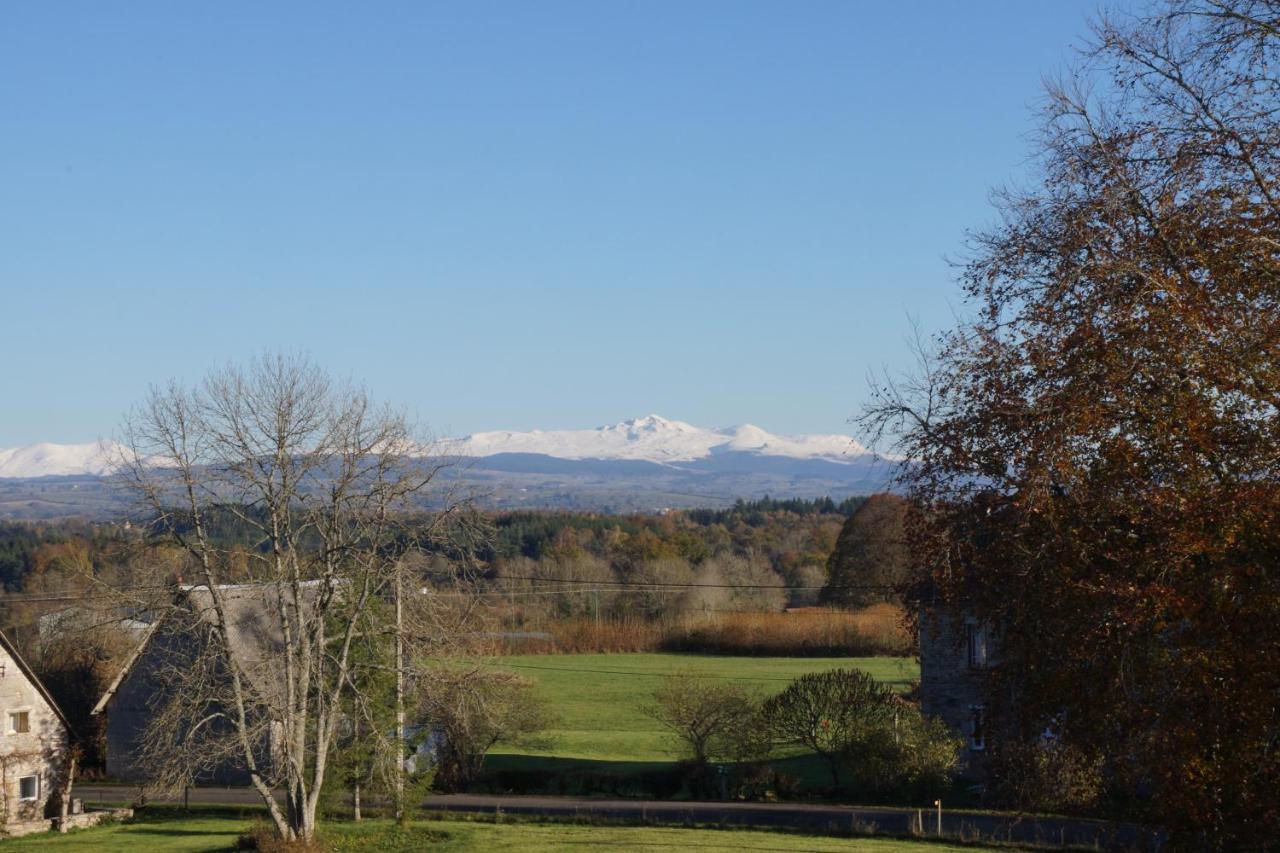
(1096, 452)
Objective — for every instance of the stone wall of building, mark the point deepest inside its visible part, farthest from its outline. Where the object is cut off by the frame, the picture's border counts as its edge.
(38, 752)
(952, 688)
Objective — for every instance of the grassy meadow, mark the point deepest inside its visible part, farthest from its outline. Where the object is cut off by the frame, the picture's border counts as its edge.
(598, 699)
(209, 830)
(600, 728)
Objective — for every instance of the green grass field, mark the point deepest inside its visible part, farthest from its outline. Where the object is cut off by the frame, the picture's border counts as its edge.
(170, 830)
(598, 703)
(597, 699)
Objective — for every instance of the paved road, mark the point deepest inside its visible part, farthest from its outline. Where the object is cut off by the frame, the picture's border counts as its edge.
(810, 816)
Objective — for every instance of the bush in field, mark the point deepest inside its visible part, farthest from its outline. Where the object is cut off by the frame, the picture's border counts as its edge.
(830, 713)
(473, 711)
(715, 720)
(854, 723)
(903, 754)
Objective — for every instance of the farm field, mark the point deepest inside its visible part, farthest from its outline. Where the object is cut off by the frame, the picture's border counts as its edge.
(598, 701)
(217, 830)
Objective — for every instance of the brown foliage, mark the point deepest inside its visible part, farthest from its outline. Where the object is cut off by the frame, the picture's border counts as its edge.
(814, 632)
(871, 557)
(1099, 449)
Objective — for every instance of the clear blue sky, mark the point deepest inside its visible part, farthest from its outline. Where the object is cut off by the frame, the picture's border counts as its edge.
(500, 215)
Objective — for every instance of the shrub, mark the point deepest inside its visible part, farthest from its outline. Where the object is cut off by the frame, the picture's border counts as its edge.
(263, 838)
(853, 723)
(829, 712)
(903, 755)
(713, 719)
(1045, 775)
(475, 710)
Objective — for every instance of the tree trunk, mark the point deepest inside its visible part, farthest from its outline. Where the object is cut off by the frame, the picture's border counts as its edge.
(64, 796)
(834, 763)
(355, 802)
(399, 745)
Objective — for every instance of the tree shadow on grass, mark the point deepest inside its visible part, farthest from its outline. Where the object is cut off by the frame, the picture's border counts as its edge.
(176, 832)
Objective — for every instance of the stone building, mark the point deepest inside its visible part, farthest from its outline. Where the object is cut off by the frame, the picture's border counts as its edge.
(34, 746)
(956, 656)
(179, 636)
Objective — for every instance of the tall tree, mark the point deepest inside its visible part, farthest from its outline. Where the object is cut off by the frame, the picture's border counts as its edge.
(871, 557)
(1098, 449)
(320, 477)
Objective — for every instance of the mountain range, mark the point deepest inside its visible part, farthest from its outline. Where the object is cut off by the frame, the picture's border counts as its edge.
(654, 438)
(640, 464)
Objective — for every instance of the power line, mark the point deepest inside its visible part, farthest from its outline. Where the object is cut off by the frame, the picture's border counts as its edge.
(583, 586)
(674, 584)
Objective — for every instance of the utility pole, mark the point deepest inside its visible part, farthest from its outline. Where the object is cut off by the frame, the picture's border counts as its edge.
(400, 738)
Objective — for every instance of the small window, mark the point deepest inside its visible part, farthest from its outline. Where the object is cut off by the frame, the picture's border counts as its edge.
(29, 788)
(19, 722)
(977, 727)
(976, 645)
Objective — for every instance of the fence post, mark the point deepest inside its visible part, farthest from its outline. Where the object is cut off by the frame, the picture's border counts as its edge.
(938, 803)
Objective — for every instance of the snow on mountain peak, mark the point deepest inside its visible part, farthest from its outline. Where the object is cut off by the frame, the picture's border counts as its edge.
(56, 460)
(654, 438)
(651, 438)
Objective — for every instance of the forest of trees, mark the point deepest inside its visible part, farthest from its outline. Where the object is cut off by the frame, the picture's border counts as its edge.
(543, 570)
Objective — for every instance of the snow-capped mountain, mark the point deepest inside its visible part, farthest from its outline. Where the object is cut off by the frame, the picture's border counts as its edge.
(652, 439)
(56, 460)
(642, 464)
(656, 439)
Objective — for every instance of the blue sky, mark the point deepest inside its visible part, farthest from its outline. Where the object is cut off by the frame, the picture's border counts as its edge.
(500, 215)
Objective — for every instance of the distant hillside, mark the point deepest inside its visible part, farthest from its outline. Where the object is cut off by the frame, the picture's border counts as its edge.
(640, 465)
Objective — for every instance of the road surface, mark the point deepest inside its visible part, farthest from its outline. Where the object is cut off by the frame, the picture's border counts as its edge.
(816, 817)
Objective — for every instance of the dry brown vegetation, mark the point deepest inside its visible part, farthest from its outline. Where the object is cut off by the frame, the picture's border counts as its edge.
(814, 631)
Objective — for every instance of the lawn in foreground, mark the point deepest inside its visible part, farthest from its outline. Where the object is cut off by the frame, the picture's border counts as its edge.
(598, 699)
(164, 830)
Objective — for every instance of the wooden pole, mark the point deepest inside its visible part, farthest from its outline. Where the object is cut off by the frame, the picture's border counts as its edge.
(400, 733)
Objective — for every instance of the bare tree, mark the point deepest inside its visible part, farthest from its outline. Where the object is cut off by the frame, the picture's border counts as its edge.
(709, 716)
(316, 481)
(473, 709)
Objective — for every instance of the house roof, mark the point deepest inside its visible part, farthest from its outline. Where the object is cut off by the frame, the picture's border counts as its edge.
(35, 681)
(254, 632)
(125, 670)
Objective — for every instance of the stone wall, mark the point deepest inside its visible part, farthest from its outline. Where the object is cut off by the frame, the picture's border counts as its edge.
(40, 751)
(950, 688)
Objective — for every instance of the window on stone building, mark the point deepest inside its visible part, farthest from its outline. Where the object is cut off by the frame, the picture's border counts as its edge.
(977, 727)
(976, 645)
(29, 788)
(19, 722)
